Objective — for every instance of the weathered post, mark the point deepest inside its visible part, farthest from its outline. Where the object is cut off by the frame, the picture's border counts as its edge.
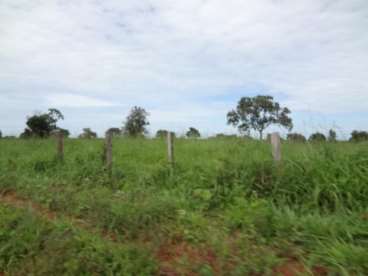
(60, 145)
(276, 146)
(170, 147)
(108, 151)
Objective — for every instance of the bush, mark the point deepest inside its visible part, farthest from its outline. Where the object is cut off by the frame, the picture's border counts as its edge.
(359, 136)
(296, 137)
(317, 137)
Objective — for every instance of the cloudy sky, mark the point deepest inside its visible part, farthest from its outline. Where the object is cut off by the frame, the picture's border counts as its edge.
(187, 62)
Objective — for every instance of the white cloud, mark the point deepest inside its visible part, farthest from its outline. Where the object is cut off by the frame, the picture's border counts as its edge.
(161, 54)
(71, 100)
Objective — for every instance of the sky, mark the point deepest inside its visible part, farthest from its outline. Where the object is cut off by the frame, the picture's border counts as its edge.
(186, 62)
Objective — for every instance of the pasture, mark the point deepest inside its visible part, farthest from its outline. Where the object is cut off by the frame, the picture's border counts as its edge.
(224, 208)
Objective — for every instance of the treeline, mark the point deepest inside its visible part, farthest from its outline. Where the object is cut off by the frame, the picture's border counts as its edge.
(355, 136)
(44, 125)
(251, 114)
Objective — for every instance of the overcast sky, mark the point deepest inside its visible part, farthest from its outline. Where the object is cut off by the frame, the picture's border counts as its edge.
(187, 62)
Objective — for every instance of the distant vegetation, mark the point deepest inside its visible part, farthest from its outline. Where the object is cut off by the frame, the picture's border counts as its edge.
(116, 132)
(193, 133)
(317, 137)
(332, 136)
(252, 113)
(222, 135)
(162, 133)
(136, 122)
(87, 134)
(359, 136)
(296, 137)
(258, 113)
(42, 124)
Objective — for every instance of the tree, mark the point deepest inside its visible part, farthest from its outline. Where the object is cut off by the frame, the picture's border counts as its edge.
(296, 137)
(225, 136)
(359, 136)
(1, 134)
(258, 113)
(161, 133)
(332, 135)
(114, 131)
(65, 132)
(88, 134)
(42, 124)
(193, 133)
(317, 137)
(136, 122)
(27, 133)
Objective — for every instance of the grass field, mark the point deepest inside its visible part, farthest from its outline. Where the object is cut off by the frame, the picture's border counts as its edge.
(224, 209)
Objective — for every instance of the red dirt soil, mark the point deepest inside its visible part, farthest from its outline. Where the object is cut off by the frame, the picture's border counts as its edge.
(293, 267)
(179, 258)
(12, 199)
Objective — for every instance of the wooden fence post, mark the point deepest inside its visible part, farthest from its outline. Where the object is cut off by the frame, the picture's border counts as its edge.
(108, 151)
(60, 145)
(170, 147)
(276, 146)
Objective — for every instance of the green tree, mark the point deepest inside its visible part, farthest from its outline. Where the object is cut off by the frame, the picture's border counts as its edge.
(66, 133)
(317, 137)
(27, 133)
(359, 136)
(332, 135)
(225, 136)
(42, 124)
(258, 113)
(193, 133)
(296, 137)
(88, 134)
(114, 131)
(1, 134)
(136, 122)
(161, 133)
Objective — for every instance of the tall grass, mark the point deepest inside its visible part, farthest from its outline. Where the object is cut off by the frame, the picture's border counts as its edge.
(313, 204)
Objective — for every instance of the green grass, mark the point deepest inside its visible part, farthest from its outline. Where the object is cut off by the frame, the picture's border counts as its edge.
(225, 195)
(31, 246)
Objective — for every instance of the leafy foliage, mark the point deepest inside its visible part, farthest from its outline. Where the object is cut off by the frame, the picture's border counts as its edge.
(114, 131)
(41, 125)
(193, 133)
(161, 133)
(332, 136)
(65, 132)
(258, 113)
(359, 136)
(296, 137)
(88, 134)
(317, 137)
(136, 122)
(222, 136)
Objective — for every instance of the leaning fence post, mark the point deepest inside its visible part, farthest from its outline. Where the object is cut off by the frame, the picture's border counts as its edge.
(108, 151)
(170, 147)
(276, 146)
(60, 145)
